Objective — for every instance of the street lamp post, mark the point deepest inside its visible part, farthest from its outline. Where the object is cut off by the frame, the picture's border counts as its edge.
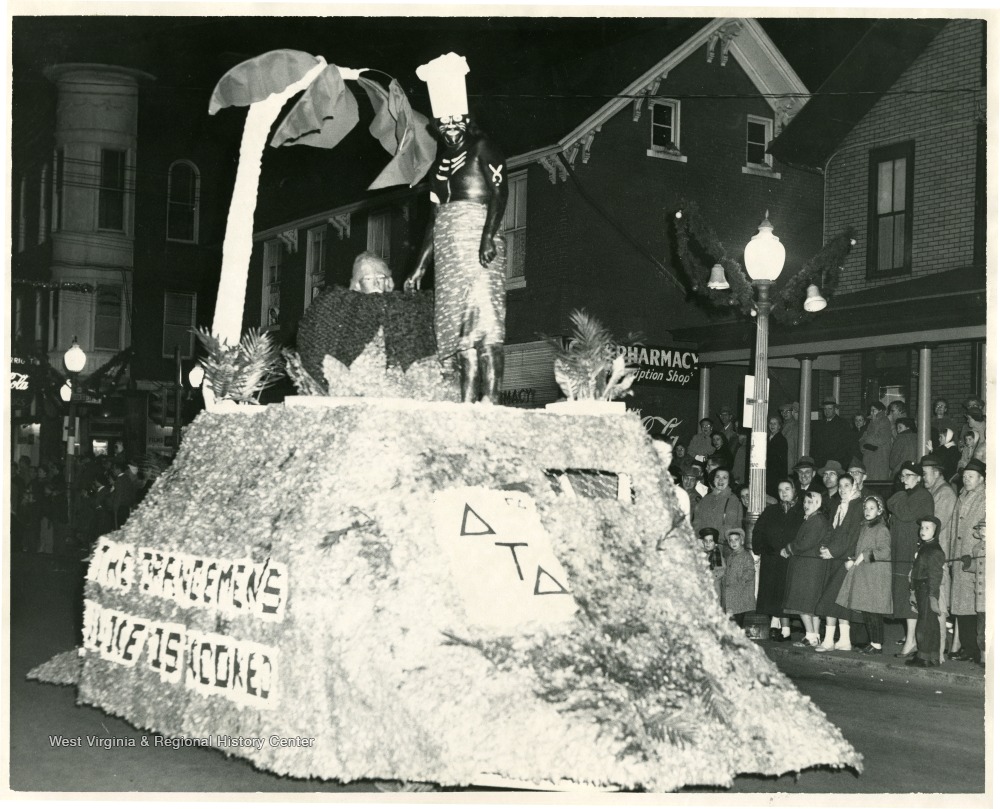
(75, 359)
(764, 257)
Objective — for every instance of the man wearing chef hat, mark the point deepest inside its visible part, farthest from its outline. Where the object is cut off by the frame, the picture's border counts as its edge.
(468, 191)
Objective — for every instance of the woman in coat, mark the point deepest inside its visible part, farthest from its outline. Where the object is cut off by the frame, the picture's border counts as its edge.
(776, 527)
(867, 586)
(905, 509)
(970, 511)
(876, 441)
(806, 568)
(777, 456)
(720, 508)
(846, 523)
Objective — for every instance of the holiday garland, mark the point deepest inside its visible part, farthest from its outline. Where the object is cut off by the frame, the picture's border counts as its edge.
(696, 242)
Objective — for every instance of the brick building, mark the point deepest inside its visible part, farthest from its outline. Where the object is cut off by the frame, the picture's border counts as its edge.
(594, 182)
(118, 220)
(906, 168)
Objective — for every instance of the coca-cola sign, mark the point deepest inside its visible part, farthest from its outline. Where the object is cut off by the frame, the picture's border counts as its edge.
(18, 381)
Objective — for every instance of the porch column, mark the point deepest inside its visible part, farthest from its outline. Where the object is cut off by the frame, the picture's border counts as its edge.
(836, 389)
(704, 382)
(924, 400)
(805, 402)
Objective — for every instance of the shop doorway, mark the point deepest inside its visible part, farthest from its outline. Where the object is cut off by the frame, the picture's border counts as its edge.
(888, 375)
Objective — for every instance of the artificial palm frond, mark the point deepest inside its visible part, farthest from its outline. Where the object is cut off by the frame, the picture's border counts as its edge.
(584, 368)
(240, 372)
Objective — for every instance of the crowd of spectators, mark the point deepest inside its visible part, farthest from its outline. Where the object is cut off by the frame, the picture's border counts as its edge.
(842, 557)
(104, 491)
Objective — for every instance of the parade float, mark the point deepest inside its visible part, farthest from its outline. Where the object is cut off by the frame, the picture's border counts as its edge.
(373, 581)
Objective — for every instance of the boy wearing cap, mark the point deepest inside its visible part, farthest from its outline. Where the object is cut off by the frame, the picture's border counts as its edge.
(468, 191)
(925, 585)
(716, 564)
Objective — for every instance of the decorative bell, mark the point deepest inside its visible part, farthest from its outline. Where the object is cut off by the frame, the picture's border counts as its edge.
(718, 278)
(814, 301)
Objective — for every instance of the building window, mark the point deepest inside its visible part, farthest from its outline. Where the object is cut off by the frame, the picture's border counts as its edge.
(111, 193)
(315, 263)
(515, 230)
(58, 176)
(378, 234)
(108, 318)
(183, 190)
(43, 205)
(22, 214)
(179, 313)
(759, 134)
(665, 126)
(271, 298)
(890, 209)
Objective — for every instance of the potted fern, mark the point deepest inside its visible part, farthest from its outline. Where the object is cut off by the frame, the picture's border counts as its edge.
(236, 375)
(591, 378)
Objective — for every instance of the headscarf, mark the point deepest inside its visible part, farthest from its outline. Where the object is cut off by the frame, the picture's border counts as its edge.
(880, 504)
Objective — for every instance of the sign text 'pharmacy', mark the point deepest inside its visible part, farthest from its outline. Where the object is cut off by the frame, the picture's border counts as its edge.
(661, 365)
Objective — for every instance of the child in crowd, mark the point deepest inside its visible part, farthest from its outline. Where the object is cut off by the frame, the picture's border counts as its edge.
(867, 587)
(738, 578)
(710, 545)
(925, 584)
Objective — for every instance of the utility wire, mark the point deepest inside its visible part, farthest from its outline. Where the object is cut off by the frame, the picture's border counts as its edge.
(607, 217)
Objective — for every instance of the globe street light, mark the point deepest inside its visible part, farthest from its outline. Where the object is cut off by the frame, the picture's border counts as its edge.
(75, 360)
(764, 257)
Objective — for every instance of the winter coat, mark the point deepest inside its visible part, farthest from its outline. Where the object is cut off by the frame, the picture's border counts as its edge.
(905, 508)
(791, 433)
(775, 529)
(969, 511)
(777, 463)
(944, 509)
(843, 545)
(878, 438)
(904, 449)
(868, 587)
(737, 583)
(718, 511)
(806, 570)
(832, 440)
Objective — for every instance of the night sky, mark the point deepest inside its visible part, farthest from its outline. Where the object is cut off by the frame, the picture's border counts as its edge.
(188, 51)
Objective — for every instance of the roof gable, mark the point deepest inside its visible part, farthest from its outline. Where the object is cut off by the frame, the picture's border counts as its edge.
(741, 38)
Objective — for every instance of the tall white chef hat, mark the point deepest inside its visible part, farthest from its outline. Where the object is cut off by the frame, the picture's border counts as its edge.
(445, 77)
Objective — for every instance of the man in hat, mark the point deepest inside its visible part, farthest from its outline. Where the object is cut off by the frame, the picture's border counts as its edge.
(944, 496)
(468, 191)
(790, 429)
(830, 475)
(832, 438)
(805, 472)
(966, 597)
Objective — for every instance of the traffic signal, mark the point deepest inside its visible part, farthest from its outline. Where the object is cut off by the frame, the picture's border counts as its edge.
(157, 410)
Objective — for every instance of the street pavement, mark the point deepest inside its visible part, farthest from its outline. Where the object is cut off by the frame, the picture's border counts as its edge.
(919, 730)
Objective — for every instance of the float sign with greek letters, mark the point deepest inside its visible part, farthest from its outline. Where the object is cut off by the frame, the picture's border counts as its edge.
(502, 560)
(664, 366)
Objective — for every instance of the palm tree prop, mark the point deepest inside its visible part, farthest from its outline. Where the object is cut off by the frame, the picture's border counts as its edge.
(325, 114)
